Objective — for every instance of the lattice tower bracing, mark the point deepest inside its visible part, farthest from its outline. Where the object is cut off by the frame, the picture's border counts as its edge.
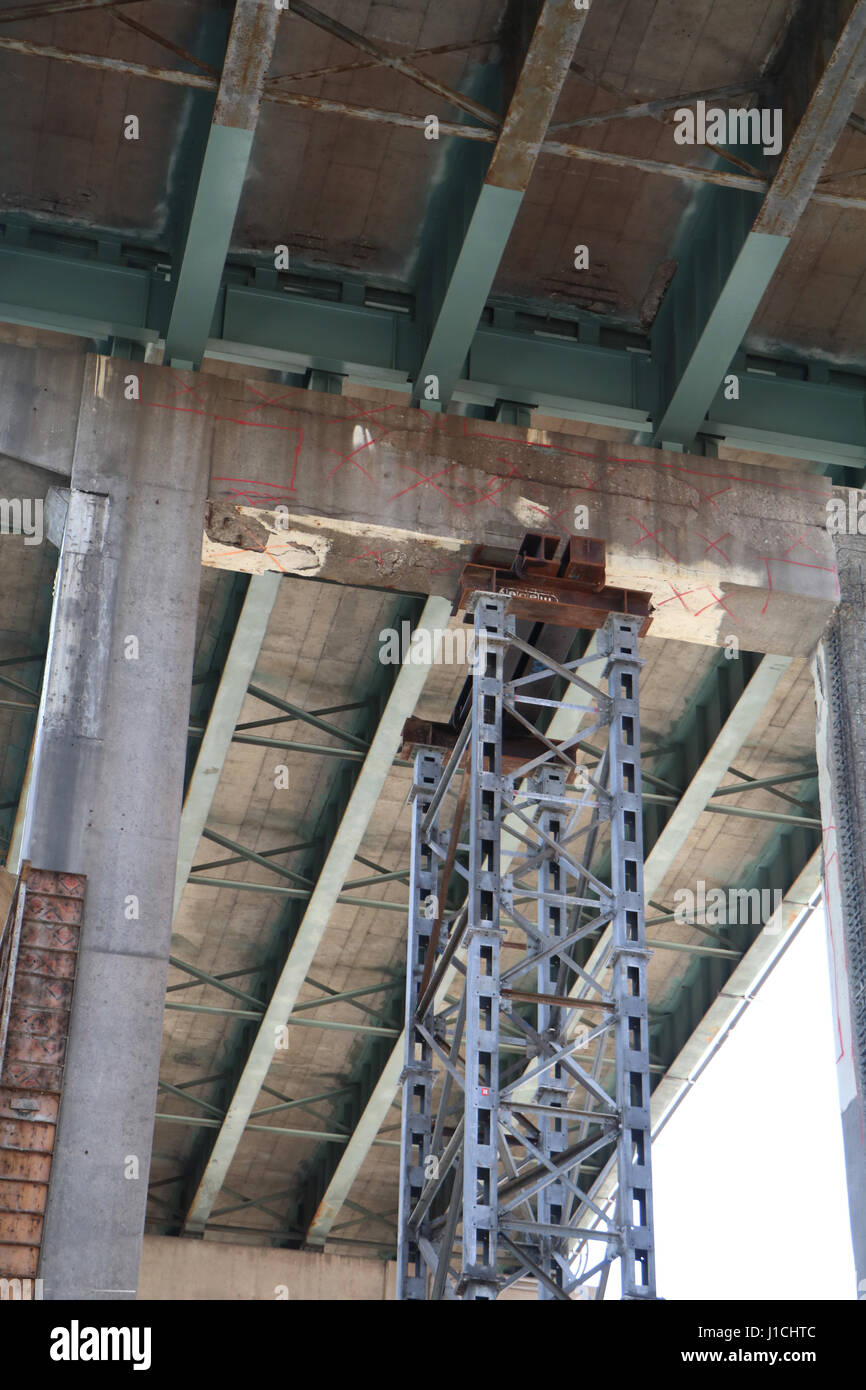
(522, 1063)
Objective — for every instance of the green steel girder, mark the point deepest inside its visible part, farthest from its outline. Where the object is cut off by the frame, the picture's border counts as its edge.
(723, 270)
(777, 866)
(221, 180)
(600, 372)
(285, 928)
(212, 647)
(478, 206)
(365, 1075)
(730, 246)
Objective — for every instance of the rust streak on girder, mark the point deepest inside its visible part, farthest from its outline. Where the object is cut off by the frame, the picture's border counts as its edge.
(818, 132)
(101, 63)
(539, 85)
(686, 173)
(248, 57)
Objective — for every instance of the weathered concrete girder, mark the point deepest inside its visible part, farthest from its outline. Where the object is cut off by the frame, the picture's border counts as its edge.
(394, 497)
(307, 485)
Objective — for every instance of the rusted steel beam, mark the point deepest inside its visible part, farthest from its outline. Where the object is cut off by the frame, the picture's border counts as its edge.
(814, 103)
(102, 63)
(164, 42)
(402, 65)
(19, 13)
(450, 315)
(813, 142)
(541, 81)
(248, 57)
(657, 108)
(37, 999)
(526, 996)
(236, 113)
(361, 63)
(202, 82)
(569, 592)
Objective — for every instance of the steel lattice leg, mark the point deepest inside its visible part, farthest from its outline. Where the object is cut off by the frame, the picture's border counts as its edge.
(417, 1078)
(481, 1138)
(539, 871)
(629, 962)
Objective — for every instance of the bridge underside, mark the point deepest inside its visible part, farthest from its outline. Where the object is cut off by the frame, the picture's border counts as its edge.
(260, 470)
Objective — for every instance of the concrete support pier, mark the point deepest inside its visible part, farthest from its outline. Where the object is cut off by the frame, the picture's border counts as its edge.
(840, 691)
(106, 802)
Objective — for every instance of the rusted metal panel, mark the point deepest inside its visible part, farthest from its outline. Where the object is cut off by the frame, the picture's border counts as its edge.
(53, 965)
(15, 1106)
(20, 1228)
(248, 57)
(56, 884)
(37, 998)
(49, 936)
(541, 80)
(43, 907)
(43, 991)
(19, 1261)
(46, 1051)
(19, 1196)
(39, 1023)
(26, 1137)
(24, 1167)
(32, 1076)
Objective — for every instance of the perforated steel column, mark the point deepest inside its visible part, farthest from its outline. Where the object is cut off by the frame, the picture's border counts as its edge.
(418, 1069)
(629, 960)
(480, 1145)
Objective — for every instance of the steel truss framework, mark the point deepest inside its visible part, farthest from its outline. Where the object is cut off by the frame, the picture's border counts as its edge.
(502, 1104)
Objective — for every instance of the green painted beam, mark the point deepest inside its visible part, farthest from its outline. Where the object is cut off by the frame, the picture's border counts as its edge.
(716, 341)
(471, 278)
(725, 270)
(799, 407)
(250, 48)
(470, 284)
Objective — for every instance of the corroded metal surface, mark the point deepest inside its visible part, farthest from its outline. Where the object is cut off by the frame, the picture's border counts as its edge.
(248, 57)
(538, 88)
(31, 1067)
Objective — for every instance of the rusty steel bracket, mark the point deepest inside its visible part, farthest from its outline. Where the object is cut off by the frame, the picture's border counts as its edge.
(569, 592)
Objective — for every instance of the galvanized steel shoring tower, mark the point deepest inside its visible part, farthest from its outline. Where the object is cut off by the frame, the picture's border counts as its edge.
(492, 1164)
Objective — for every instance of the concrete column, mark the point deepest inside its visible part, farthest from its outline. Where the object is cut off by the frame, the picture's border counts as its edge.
(106, 802)
(840, 689)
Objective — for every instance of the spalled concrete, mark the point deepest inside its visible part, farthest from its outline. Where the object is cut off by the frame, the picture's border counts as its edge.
(311, 486)
(304, 484)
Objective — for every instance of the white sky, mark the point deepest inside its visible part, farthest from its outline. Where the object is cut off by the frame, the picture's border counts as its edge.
(748, 1174)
